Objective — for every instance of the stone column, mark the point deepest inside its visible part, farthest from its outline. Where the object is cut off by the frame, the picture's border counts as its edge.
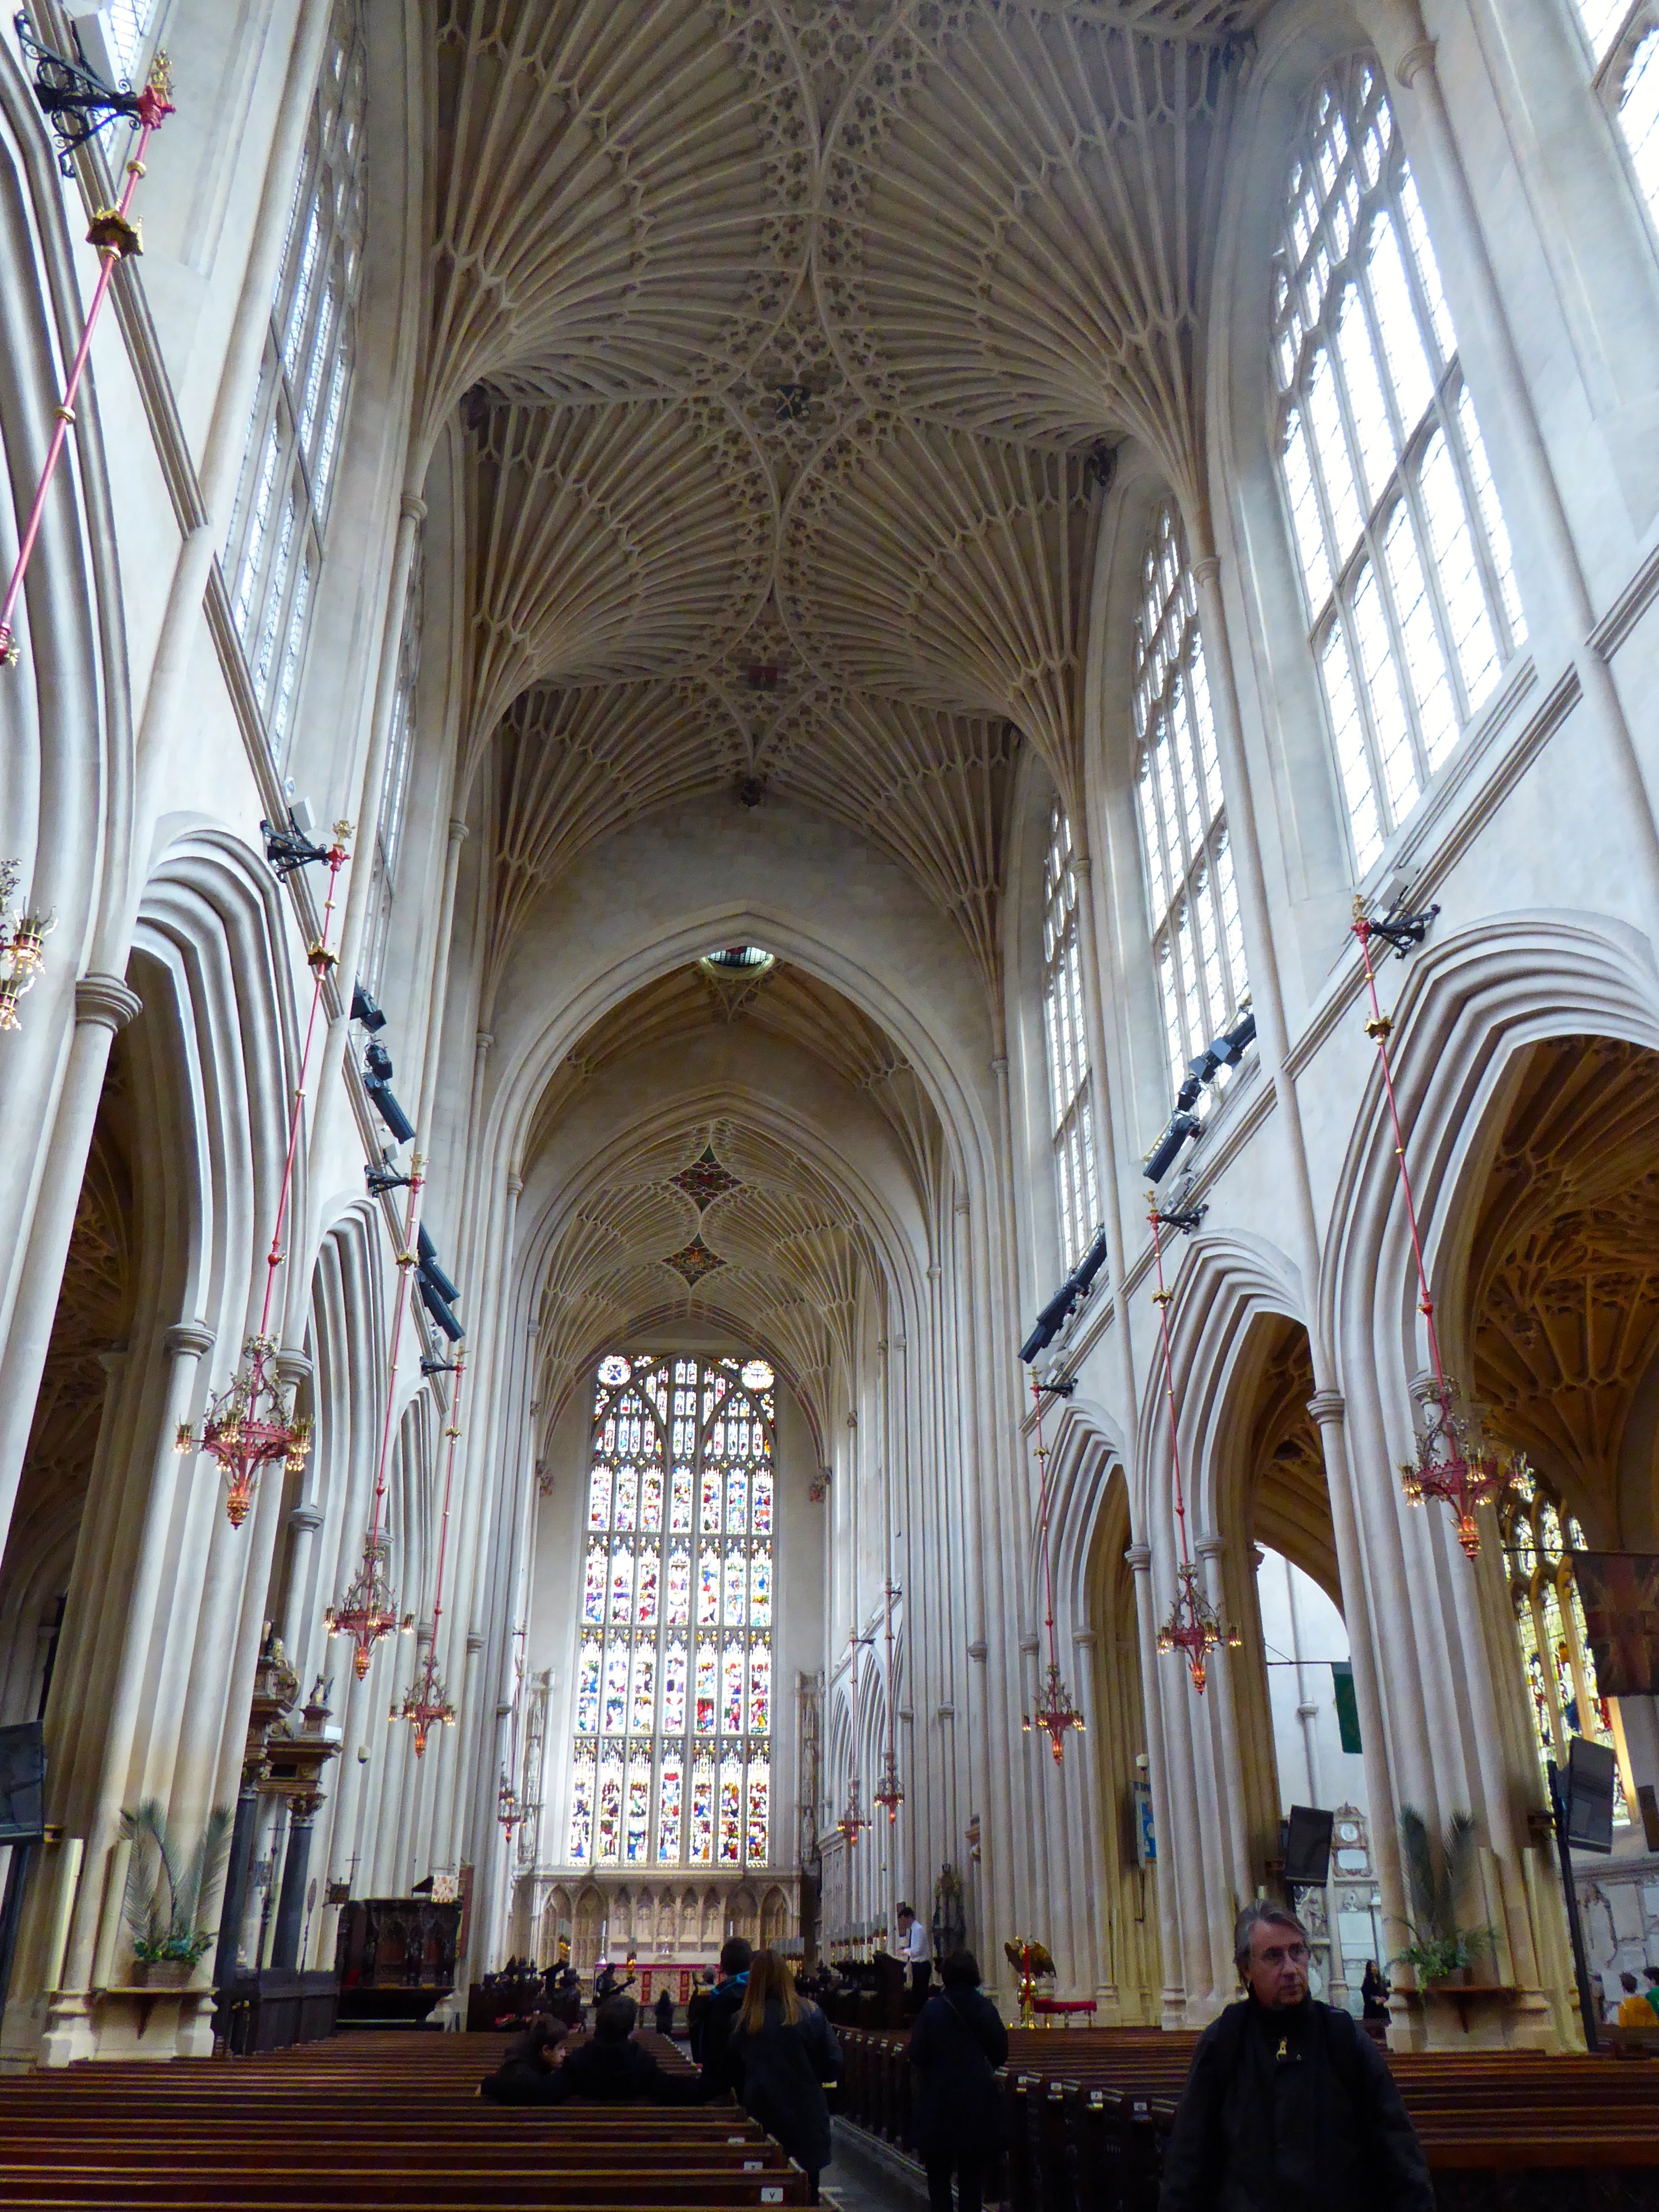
(296, 1862)
(103, 1006)
(1173, 2007)
(234, 1904)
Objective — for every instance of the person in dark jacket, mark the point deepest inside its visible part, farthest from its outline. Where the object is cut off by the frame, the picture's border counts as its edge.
(611, 2069)
(1289, 2105)
(665, 2013)
(723, 2008)
(780, 2054)
(523, 2073)
(955, 2048)
(696, 2012)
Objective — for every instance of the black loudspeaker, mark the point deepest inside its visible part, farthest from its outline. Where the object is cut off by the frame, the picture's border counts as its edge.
(1589, 1795)
(22, 1783)
(1307, 1847)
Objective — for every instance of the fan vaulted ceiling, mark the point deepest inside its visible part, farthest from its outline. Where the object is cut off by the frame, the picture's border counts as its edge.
(788, 337)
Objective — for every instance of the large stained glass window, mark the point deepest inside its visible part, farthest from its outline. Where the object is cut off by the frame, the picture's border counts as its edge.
(673, 1757)
(1412, 609)
(1540, 1538)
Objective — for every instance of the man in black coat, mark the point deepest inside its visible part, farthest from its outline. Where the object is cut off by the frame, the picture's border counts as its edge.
(611, 2069)
(1289, 2105)
(955, 2048)
(736, 1958)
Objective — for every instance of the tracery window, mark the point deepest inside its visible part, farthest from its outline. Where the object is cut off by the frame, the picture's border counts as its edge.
(1198, 939)
(672, 1758)
(125, 25)
(1540, 1538)
(1623, 37)
(274, 551)
(394, 788)
(1070, 1093)
(1410, 584)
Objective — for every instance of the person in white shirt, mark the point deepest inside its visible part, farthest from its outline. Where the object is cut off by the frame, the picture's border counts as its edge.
(915, 1950)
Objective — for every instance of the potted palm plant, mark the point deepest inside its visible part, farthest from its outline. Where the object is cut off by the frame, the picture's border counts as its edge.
(164, 1892)
(1436, 1869)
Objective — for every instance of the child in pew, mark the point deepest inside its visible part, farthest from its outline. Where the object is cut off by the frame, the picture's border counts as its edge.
(523, 2075)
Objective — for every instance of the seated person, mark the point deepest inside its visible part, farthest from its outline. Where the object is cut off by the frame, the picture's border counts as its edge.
(610, 2068)
(524, 2074)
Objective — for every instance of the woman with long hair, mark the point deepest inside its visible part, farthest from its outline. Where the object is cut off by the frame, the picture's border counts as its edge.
(782, 2053)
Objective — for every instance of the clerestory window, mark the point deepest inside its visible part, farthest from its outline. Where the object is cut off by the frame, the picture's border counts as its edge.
(672, 1758)
(1410, 584)
(1071, 1122)
(1623, 37)
(274, 551)
(394, 788)
(1198, 939)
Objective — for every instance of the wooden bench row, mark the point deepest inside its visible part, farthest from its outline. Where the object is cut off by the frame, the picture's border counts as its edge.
(371, 2121)
(1087, 2121)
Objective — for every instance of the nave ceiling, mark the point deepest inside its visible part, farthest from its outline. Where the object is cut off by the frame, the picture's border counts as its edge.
(789, 337)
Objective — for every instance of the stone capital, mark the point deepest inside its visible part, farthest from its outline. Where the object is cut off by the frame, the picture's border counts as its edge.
(1210, 1547)
(1084, 1639)
(412, 508)
(1139, 1557)
(474, 1641)
(459, 832)
(306, 1518)
(1207, 569)
(483, 1041)
(295, 1366)
(514, 1185)
(1414, 61)
(105, 999)
(1029, 1645)
(977, 1650)
(192, 1338)
(1327, 1405)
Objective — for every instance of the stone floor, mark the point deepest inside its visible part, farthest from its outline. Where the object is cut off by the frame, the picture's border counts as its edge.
(866, 2175)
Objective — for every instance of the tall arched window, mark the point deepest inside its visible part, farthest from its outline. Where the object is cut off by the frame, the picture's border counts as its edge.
(274, 551)
(1623, 37)
(1540, 1538)
(1412, 603)
(673, 1760)
(1198, 940)
(1070, 1093)
(394, 788)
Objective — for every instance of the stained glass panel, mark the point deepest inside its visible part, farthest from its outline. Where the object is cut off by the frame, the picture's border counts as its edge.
(639, 1686)
(1071, 1096)
(700, 1850)
(760, 1793)
(731, 1811)
(587, 1687)
(582, 1805)
(670, 1790)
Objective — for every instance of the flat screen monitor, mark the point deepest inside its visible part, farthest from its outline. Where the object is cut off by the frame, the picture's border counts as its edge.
(1589, 1795)
(1307, 1847)
(22, 1783)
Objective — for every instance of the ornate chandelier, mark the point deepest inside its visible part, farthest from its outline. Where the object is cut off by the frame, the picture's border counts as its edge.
(509, 1805)
(1056, 1713)
(252, 1425)
(22, 947)
(1454, 1461)
(855, 1819)
(1194, 1627)
(889, 1792)
(369, 1610)
(427, 1706)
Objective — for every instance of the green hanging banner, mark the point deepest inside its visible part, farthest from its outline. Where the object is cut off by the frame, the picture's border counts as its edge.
(1347, 1706)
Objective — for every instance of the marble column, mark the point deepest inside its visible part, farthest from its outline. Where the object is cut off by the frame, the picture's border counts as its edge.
(296, 1864)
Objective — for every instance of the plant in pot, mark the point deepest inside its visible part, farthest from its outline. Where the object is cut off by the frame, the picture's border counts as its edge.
(165, 1889)
(1436, 1869)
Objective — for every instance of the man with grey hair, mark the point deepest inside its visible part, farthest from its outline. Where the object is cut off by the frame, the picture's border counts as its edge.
(1289, 2105)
